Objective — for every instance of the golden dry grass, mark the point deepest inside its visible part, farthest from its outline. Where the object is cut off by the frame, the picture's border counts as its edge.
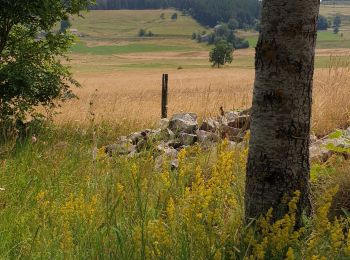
(134, 97)
(331, 106)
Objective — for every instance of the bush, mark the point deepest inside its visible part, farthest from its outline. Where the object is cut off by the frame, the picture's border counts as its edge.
(142, 33)
(322, 23)
(174, 16)
(241, 44)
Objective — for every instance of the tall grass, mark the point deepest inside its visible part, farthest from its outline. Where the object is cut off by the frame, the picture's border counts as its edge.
(331, 106)
(129, 98)
(58, 201)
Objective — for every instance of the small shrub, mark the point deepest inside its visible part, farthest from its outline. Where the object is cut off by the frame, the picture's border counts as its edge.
(174, 16)
(142, 33)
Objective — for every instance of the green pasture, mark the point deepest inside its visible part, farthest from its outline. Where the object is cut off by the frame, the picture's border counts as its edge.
(121, 24)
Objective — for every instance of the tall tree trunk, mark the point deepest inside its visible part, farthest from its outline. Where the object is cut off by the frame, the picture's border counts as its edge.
(278, 162)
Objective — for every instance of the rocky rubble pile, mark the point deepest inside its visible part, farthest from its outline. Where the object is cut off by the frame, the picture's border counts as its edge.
(183, 130)
(337, 142)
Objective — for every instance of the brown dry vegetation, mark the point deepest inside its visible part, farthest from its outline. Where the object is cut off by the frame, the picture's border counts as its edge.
(133, 97)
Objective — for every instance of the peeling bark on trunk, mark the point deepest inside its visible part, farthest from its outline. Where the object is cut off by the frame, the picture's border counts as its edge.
(278, 163)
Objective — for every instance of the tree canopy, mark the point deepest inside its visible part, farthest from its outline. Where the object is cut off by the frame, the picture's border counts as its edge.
(31, 73)
(221, 53)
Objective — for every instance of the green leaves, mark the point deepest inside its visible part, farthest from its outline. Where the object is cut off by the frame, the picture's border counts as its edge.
(30, 70)
(337, 134)
(221, 53)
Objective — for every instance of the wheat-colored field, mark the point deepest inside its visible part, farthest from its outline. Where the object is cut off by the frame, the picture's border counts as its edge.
(134, 97)
(121, 73)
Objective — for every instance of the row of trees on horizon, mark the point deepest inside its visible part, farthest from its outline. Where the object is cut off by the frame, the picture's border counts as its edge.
(207, 12)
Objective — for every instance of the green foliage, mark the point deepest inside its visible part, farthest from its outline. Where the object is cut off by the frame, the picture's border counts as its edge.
(142, 32)
(335, 135)
(221, 54)
(31, 73)
(224, 32)
(233, 24)
(322, 23)
(335, 30)
(337, 21)
(336, 24)
(174, 16)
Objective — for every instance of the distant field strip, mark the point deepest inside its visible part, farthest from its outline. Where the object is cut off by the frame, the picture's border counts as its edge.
(129, 48)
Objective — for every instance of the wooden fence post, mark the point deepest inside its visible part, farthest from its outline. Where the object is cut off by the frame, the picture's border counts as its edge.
(165, 96)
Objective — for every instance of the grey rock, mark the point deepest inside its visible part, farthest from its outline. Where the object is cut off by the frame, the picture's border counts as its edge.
(347, 133)
(231, 116)
(164, 123)
(174, 164)
(341, 142)
(230, 133)
(169, 154)
(136, 137)
(155, 134)
(242, 122)
(319, 153)
(123, 146)
(313, 139)
(207, 139)
(187, 139)
(186, 122)
(167, 135)
(210, 125)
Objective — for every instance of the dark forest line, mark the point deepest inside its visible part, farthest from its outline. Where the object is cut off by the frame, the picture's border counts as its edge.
(206, 12)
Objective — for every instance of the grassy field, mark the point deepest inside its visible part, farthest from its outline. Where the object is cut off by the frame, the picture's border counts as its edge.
(111, 44)
(134, 96)
(61, 197)
(125, 24)
(121, 72)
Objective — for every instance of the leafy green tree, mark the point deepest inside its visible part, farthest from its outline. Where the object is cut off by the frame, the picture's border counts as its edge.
(233, 24)
(336, 24)
(142, 32)
(174, 16)
(31, 73)
(337, 21)
(221, 54)
(322, 23)
(336, 30)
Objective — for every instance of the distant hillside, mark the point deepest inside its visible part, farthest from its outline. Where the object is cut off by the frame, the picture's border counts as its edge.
(112, 25)
(207, 12)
